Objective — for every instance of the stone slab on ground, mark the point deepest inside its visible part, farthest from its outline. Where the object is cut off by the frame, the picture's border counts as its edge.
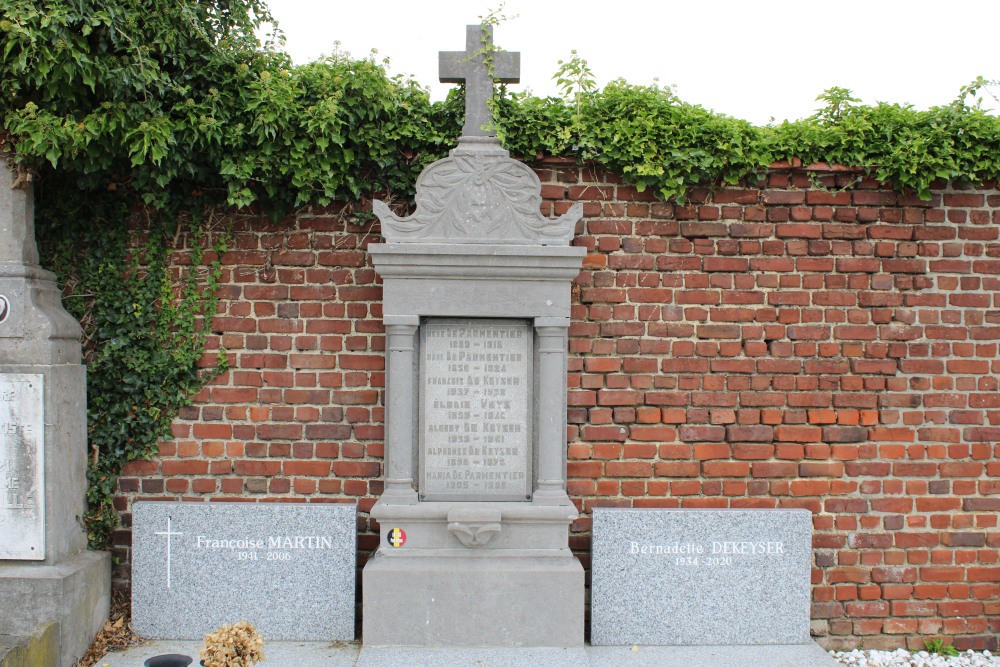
(700, 576)
(287, 568)
(352, 654)
(473, 657)
(277, 654)
(776, 655)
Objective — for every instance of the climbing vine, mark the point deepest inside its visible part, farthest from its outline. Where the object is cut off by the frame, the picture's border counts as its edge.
(138, 119)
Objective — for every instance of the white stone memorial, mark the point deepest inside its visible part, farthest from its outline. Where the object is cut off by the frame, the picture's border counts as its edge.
(46, 572)
(22, 466)
(474, 516)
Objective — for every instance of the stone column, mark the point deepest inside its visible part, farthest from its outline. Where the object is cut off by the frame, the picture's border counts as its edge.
(400, 332)
(551, 402)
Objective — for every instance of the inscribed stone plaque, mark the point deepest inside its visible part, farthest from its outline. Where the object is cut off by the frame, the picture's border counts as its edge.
(22, 466)
(287, 568)
(699, 576)
(475, 433)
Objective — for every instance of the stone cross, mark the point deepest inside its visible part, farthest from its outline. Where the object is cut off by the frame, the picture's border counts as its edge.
(471, 68)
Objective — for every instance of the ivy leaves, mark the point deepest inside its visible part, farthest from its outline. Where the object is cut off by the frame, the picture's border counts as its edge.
(171, 97)
(657, 141)
(909, 148)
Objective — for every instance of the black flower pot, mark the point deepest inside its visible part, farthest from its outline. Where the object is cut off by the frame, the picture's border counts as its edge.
(168, 660)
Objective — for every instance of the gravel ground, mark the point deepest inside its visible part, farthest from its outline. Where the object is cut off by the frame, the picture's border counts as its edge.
(903, 658)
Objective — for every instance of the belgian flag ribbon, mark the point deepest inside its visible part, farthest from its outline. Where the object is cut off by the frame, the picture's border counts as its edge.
(396, 537)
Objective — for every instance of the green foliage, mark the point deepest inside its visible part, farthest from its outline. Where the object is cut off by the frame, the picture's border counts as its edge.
(838, 100)
(146, 326)
(174, 108)
(575, 79)
(938, 646)
(642, 132)
(900, 145)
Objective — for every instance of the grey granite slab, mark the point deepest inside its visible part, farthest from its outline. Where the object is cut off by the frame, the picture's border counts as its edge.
(700, 577)
(348, 654)
(276, 654)
(473, 657)
(779, 655)
(287, 568)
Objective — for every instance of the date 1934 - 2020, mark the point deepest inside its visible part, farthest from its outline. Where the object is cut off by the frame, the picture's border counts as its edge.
(704, 561)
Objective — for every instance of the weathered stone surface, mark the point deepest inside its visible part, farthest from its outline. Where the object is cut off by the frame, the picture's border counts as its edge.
(22, 466)
(511, 601)
(472, 197)
(476, 427)
(34, 326)
(694, 576)
(471, 68)
(774, 655)
(45, 572)
(287, 568)
(74, 594)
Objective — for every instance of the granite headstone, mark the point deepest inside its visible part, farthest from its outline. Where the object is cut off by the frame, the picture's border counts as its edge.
(287, 568)
(700, 576)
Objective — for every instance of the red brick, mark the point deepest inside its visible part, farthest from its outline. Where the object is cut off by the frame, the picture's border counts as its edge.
(628, 469)
(786, 433)
(652, 433)
(255, 468)
(691, 433)
(183, 467)
(750, 433)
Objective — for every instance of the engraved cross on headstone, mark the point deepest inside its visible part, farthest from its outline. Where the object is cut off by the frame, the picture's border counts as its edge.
(470, 67)
(168, 534)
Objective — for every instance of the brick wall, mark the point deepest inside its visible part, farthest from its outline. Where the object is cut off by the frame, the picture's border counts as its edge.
(792, 345)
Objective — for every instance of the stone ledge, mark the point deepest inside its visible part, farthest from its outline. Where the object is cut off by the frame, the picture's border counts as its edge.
(74, 596)
(40, 649)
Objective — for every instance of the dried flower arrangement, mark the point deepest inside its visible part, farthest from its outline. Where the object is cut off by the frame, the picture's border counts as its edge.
(237, 645)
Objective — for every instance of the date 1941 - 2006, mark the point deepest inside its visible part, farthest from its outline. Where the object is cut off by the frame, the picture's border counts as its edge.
(704, 561)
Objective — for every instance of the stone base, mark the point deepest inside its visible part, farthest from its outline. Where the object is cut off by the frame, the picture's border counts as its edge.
(394, 656)
(481, 600)
(75, 594)
(41, 649)
(809, 654)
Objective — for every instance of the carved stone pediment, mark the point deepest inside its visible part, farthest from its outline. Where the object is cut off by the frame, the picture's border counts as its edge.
(478, 197)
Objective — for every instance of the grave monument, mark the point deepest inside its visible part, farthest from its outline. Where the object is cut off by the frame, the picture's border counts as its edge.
(61, 592)
(288, 568)
(474, 517)
(700, 576)
(703, 587)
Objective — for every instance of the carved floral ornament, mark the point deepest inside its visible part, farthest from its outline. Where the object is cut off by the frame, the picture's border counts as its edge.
(473, 197)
